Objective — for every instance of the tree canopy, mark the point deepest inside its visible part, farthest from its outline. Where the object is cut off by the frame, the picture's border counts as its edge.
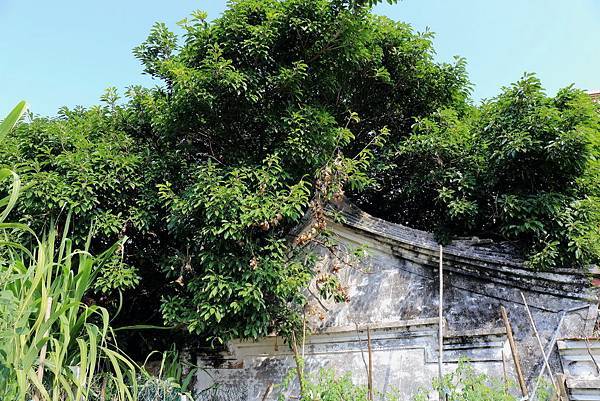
(262, 110)
(521, 167)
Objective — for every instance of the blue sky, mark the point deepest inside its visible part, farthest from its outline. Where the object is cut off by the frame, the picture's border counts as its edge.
(65, 52)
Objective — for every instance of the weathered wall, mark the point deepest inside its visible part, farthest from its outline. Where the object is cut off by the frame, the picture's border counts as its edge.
(395, 292)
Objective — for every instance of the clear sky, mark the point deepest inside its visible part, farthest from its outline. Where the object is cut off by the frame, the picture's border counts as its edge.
(65, 52)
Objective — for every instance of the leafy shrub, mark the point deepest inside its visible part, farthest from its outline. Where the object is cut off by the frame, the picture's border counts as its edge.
(172, 380)
(156, 389)
(466, 384)
(83, 163)
(521, 167)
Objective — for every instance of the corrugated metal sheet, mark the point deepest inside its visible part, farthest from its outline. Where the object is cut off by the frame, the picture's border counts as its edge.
(581, 364)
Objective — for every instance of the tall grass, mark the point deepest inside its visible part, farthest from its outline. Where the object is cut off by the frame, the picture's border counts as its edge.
(52, 344)
(12, 119)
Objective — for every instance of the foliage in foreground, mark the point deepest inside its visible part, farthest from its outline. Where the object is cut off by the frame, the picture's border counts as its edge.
(52, 345)
(172, 380)
(74, 342)
(169, 380)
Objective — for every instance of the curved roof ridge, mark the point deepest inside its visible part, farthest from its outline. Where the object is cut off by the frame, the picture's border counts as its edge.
(483, 259)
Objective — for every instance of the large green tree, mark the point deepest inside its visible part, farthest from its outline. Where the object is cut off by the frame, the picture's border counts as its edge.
(263, 109)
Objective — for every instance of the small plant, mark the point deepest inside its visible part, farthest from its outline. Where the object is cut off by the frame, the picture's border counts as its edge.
(327, 385)
(465, 384)
(171, 382)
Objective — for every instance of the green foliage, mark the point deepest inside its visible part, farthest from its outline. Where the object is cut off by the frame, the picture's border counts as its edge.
(83, 163)
(51, 343)
(265, 115)
(232, 227)
(12, 119)
(267, 112)
(326, 385)
(172, 380)
(522, 167)
(8, 202)
(464, 384)
(270, 100)
(283, 76)
(75, 339)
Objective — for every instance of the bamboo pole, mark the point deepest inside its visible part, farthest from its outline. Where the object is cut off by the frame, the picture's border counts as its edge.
(539, 341)
(504, 373)
(548, 352)
(589, 350)
(441, 323)
(370, 377)
(362, 354)
(514, 352)
(40, 371)
(550, 347)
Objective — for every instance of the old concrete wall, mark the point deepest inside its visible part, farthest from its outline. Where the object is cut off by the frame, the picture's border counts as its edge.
(394, 291)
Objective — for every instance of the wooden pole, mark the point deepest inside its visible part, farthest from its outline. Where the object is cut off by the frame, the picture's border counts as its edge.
(370, 377)
(303, 334)
(562, 386)
(539, 341)
(441, 323)
(514, 352)
(266, 394)
(40, 371)
(362, 354)
(589, 351)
